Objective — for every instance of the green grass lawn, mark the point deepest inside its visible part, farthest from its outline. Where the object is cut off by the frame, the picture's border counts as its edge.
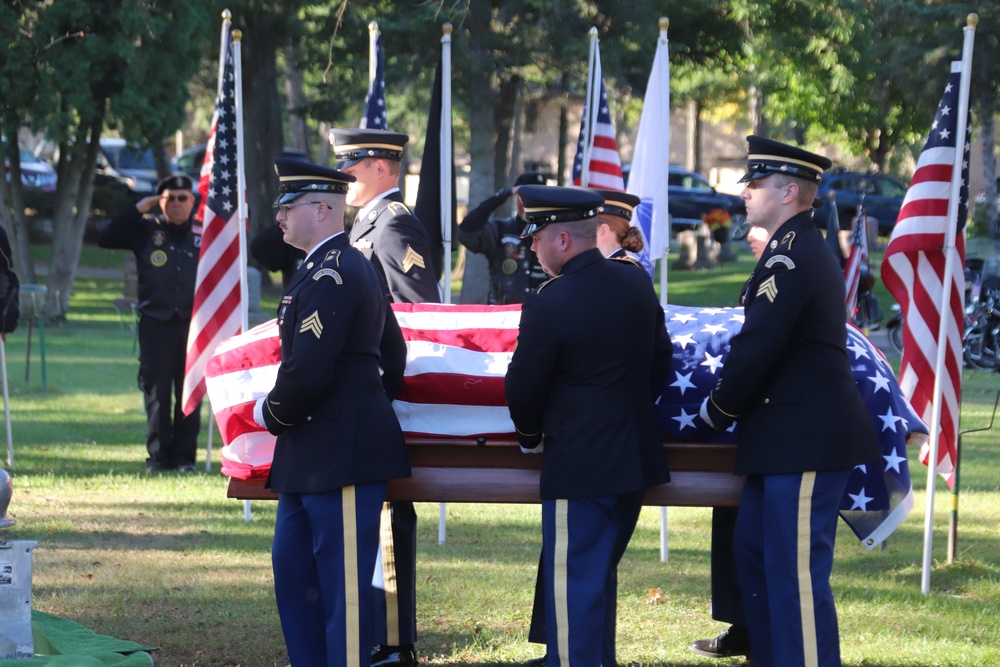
(167, 560)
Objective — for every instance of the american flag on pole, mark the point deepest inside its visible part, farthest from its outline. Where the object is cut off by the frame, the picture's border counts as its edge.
(375, 113)
(914, 272)
(857, 258)
(597, 146)
(218, 302)
(457, 356)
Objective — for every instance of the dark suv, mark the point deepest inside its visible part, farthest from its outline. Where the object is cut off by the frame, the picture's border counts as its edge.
(690, 197)
(883, 197)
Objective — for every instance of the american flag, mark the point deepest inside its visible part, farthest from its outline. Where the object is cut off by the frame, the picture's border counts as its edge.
(457, 356)
(604, 169)
(217, 312)
(857, 258)
(375, 115)
(914, 272)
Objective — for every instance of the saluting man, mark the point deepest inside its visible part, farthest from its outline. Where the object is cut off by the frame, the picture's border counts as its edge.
(803, 426)
(166, 249)
(387, 233)
(592, 355)
(338, 439)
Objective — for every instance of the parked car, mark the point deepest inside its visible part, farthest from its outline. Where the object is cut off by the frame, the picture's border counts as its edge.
(883, 197)
(690, 198)
(129, 161)
(189, 160)
(35, 173)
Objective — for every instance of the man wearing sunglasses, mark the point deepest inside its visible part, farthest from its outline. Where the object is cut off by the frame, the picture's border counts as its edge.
(166, 249)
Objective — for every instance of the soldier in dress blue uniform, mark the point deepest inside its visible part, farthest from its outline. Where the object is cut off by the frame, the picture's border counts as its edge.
(338, 439)
(514, 268)
(803, 426)
(616, 237)
(387, 233)
(592, 356)
(166, 249)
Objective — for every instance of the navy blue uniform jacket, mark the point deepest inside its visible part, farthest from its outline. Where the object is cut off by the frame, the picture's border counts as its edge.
(787, 378)
(592, 354)
(396, 243)
(329, 409)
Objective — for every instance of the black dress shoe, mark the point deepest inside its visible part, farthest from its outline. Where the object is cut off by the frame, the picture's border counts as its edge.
(734, 641)
(393, 656)
(536, 662)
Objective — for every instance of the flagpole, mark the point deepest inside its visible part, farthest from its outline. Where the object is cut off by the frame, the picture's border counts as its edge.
(227, 17)
(665, 110)
(950, 253)
(241, 200)
(372, 56)
(588, 110)
(447, 158)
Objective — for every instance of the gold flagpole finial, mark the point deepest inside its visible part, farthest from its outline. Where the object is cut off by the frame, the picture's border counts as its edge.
(972, 20)
(593, 33)
(227, 15)
(237, 35)
(446, 28)
(373, 26)
(664, 23)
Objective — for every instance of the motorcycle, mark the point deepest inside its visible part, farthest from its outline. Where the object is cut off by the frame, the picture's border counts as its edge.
(981, 336)
(867, 312)
(981, 340)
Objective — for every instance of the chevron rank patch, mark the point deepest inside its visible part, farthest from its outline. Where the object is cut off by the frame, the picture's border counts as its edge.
(312, 325)
(768, 289)
(412, 258)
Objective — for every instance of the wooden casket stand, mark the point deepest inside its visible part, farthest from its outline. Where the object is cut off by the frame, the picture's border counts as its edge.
(469, 470)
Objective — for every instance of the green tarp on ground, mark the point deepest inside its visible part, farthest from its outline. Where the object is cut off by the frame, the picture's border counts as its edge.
(60, 642)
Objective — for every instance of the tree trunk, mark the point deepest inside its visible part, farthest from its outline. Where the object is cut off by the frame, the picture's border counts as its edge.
(482, 145)
(692, 158)
(12, 217)
(77, 163)
(988, 120)
(298, 130)
(261, 118)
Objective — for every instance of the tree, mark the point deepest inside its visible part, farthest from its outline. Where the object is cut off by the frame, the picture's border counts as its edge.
(92, 64)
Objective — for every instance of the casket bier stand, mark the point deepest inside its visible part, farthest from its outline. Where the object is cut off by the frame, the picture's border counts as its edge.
(456, 470)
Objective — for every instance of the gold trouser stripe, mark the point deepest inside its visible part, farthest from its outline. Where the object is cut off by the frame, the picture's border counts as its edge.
(807, 607)
(389, 577)
(561, 578)
(352, 592)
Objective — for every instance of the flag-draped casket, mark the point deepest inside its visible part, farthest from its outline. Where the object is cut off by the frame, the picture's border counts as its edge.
(453, 387)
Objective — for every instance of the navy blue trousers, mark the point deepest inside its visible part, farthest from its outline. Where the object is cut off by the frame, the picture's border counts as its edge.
(394, 587)
(583, 541)
(785, 535)
(323, 557)
(171, 437)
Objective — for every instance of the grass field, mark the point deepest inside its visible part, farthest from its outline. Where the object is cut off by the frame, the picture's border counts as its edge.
(167, 560)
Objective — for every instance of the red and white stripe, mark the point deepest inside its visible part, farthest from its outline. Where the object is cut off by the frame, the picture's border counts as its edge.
(453, 386)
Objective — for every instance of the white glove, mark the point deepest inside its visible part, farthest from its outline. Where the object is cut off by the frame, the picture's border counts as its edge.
(258, 412)
(703, 413)
(537, 450)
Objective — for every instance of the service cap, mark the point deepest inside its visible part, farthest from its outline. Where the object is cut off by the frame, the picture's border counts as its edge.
(547, 204)
(351, 146)
(297, 177)
(618, 203)
(176, 182)
(530, 178)
(767, 156)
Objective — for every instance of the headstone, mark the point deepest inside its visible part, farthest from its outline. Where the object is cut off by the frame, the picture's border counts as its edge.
(687, 251)
(16, 641)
